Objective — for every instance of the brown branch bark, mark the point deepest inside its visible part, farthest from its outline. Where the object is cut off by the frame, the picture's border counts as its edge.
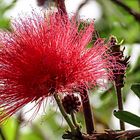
(87, 112)
(113, 135)
(107, 135)
(135, 14)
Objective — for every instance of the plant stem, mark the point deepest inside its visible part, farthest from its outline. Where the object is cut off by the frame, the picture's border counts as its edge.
(87, 112)
(120, 104)
(74, 119)
(62, 110)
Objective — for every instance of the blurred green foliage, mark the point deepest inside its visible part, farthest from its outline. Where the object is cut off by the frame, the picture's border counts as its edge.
(4, 7)
(9, 129)
(114, 21)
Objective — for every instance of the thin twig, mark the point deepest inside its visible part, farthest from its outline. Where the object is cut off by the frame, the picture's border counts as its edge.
(11, 5)
(74, 119)
(120, 104)
(87, 112)
(135, 14)
(81, 6)
(62, 110)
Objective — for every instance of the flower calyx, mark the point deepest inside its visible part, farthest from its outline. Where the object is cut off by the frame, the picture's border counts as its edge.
(119, 74)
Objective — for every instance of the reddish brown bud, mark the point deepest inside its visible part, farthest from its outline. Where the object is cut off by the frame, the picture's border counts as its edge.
(71, 103)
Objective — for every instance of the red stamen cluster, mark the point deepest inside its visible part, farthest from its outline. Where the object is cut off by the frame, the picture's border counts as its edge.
(48, 53)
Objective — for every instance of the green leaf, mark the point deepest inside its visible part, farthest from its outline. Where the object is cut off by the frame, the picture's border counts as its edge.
(136, 89)
(128, 117)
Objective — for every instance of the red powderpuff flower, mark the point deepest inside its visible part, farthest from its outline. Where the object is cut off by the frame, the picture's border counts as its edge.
(46, 54)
